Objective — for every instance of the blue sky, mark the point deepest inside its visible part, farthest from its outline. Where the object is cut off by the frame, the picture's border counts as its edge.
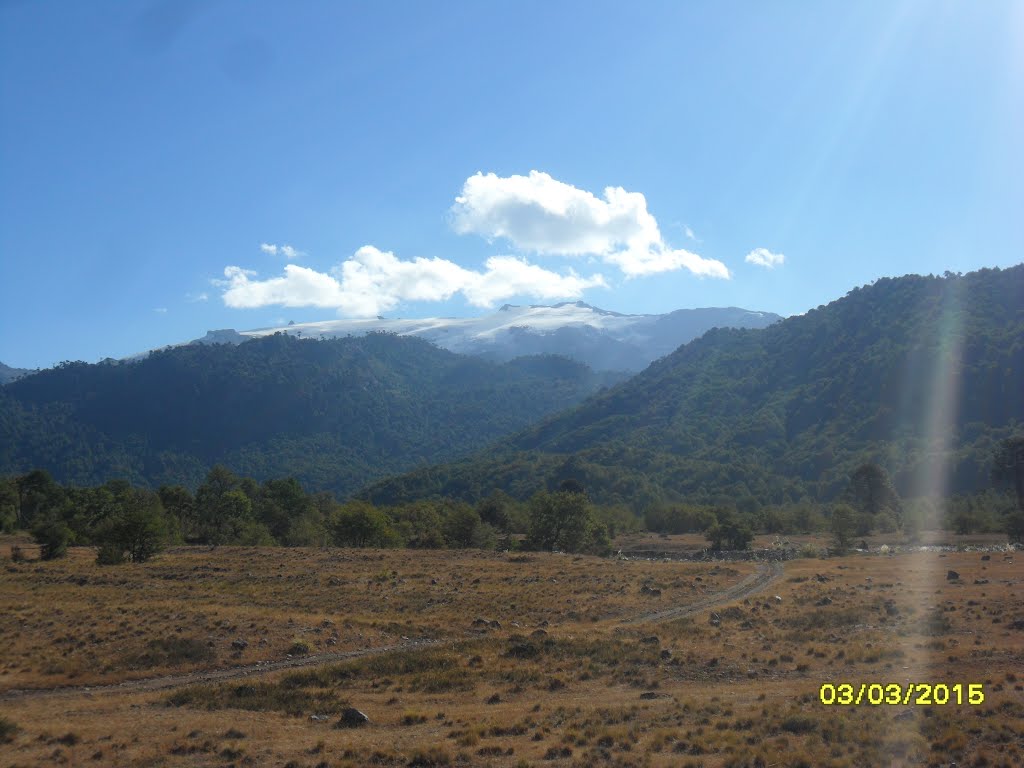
(157, 159)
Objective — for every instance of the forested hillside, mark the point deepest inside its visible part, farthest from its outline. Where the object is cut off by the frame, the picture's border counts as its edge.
(922, 375)
(335, 414)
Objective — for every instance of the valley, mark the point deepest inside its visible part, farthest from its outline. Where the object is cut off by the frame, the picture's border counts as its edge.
(505, 658)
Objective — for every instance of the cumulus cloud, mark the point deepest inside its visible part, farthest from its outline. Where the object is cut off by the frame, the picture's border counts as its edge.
(762, 257)
(548, 217)
(287, 251)
(373, 281)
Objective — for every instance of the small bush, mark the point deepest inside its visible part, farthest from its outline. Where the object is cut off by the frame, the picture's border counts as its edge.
(110, 554)
(799, 724)
(430, 758)
(53, 538)
(8, 730)
(171, 651)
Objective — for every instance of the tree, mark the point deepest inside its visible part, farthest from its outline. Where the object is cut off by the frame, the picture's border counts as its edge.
(1008, 466)
(729, 533)
(560, 520)
(1008, 469)
(8, 505)
(53, 537)
(278, 503)
(843, 526)
(494, 510)
(138, 530)
(358, 524)
(179, 504)
(871, 493)
(460, 525)
(38, 495)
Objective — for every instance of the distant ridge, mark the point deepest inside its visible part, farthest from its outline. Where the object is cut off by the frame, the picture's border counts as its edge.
(7, 373)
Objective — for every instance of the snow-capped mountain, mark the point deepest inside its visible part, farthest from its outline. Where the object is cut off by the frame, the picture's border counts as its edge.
(603, 340)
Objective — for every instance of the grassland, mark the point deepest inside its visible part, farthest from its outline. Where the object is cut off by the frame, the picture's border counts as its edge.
(532, 660)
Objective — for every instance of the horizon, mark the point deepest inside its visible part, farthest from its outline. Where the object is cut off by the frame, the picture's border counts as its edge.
(176, 167)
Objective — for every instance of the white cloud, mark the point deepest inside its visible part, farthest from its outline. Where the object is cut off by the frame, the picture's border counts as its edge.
(374, 281)
(194, 297)
(160, 310)
(287, 251)
(762, 257)
(540, 214)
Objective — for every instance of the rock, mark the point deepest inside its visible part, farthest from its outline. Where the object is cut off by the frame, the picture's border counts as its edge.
(651, 640)
(351, 718)
(824, 601)
(986, 557)
(648, 695)
(539, 634)
(666, 654)
(239, 644)
(952, 575)
(778, 599)
(981, 581)
(317, 718)
(652, 591)
(495, 699)
(715, 620)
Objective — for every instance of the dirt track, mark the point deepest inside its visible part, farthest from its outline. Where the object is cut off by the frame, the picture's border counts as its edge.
(768, 573)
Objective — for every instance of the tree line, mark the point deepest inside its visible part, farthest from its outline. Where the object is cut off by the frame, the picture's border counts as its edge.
(128, 523)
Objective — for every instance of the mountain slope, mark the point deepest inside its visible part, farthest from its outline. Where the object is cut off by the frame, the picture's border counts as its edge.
(336, 414)
(10, 374)
(603, 340)
(921, 374)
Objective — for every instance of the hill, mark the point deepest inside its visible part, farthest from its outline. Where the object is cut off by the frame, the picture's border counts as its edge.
(920, 374)
(336, 414)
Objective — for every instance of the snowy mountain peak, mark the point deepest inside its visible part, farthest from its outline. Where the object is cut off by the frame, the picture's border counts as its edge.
(602, 339)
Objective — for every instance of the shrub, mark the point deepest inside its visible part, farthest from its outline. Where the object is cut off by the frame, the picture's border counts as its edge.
(53, 538)
(8, 730)
(110, 554)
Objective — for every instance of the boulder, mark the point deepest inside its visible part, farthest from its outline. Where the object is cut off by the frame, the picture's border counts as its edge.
(352, 718)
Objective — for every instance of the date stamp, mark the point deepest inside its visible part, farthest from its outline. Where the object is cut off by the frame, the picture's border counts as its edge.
(920, 694)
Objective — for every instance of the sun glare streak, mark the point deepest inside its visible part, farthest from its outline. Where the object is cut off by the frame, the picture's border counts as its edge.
(939, 390)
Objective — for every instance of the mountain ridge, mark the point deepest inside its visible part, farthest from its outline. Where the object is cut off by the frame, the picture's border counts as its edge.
(602, 339)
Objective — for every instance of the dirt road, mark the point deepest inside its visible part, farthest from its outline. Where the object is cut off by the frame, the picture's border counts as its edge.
(752, 584)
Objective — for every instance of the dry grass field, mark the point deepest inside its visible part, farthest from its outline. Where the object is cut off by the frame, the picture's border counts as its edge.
(565, 671)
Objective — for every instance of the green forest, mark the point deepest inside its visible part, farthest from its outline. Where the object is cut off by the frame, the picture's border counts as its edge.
(919, 375)
(335, 414)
